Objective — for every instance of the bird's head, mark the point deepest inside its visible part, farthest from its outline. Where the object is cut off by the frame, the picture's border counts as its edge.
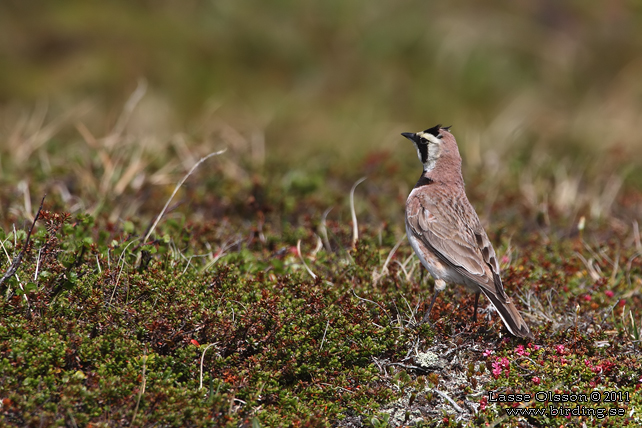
(432, 144)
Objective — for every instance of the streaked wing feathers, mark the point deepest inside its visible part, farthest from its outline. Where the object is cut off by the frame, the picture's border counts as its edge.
(459, 242)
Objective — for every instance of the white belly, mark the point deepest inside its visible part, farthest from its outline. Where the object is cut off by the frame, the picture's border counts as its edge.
(436, 267)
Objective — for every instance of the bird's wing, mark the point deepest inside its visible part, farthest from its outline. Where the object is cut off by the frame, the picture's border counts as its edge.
(457, 239)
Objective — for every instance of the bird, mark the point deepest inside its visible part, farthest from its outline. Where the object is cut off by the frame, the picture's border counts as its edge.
(445, 232)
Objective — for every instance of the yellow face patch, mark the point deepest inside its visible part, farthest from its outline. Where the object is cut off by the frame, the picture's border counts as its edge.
(434, 150)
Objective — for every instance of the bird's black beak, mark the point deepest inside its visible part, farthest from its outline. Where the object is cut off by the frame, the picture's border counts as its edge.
(411, 136)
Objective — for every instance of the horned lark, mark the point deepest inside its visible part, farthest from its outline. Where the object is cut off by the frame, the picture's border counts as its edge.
(445, 232)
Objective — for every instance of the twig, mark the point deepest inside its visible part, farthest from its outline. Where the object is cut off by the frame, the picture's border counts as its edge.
(355, 226)
(122, 266)
(450, 400)
(298, 250)
(318, 247)
(372, 301)
(392, 253)
(324, 230)
(338, 388)
(200, 385)
(409, 367)
(220, 253)
(595, 275)
(384, 269)
(35, 275)
(151, 229)
(412, 313)
(18, 259)
(324, 332)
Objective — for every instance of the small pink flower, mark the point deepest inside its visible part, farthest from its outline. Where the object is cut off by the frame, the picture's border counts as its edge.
(500, 366)
(587, 297)
(488, 353)
(521, 351)
(536, 380)
(622, 303)
(609, 293)
(497, 368)
(559, 349)
(505, 259)
(505, 363)
(483, 403)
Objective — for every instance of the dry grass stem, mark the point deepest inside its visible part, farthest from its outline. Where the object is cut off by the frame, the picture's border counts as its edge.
(355, 226)
(178, 186)
(298, 251)
(200, 384)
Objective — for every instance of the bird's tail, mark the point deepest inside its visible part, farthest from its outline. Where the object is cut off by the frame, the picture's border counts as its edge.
(510, 315)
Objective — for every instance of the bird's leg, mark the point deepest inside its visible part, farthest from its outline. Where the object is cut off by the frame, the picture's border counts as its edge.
(475, 310)
(440, 284)
(432, 302)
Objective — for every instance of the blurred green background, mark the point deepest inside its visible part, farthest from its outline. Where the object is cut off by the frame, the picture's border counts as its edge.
(532, 88)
